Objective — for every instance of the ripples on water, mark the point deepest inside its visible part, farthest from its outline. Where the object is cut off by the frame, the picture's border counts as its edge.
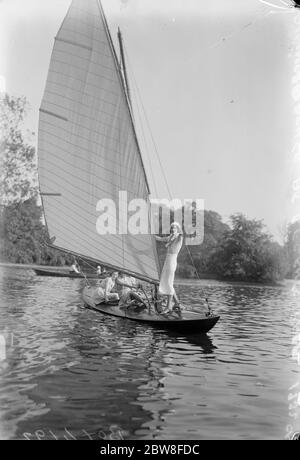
(73, 372)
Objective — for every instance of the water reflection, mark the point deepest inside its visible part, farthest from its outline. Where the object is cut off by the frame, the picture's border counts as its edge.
(71, 370)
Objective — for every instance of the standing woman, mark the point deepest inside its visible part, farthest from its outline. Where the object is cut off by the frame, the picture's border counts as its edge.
(173, 245)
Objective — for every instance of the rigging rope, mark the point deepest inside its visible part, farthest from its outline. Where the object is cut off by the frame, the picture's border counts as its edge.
(141, 120)
(139, 98)
(259, 15)
(159, 160)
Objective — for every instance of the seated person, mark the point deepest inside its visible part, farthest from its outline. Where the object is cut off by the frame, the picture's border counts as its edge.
(103, 292)
(99, 270)
(125, 285)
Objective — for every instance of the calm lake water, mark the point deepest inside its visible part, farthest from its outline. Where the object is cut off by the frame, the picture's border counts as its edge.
(71, 372)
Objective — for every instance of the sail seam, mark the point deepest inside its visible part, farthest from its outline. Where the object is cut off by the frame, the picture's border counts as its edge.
(81, 137)
(81, 81)
(76, 177)
(53, 114)
(70, 42)
(113, 244)
(46, 101)
(98, 165)
(47, 151)
(76, 207)
(116, 237)
(83, 69)
(50, 194)
(84, 246)
(83, 58)
(85, 36)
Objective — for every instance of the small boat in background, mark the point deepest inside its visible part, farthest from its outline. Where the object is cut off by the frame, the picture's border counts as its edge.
(64, 273)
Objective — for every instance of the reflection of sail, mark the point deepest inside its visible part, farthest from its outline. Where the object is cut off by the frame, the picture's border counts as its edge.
(152, 396)
(88, 149)
(203, 344)
(155, 396)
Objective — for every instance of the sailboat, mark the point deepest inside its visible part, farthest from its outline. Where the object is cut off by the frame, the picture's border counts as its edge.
(88, 150)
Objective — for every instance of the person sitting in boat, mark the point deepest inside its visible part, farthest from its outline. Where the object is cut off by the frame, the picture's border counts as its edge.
(173, 245)
(103, 293)
(126, 286)
(75, 268)
(99, 270)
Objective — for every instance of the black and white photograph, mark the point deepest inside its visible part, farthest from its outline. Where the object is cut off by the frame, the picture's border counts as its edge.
(149, 222)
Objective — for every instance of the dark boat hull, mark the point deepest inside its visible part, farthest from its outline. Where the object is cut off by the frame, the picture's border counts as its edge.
(64, 274)
(189, 321)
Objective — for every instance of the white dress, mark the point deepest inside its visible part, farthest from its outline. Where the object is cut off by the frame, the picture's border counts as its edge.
(166, 285)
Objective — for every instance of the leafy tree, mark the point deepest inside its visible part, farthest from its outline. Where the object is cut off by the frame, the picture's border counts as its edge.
(18, 170)
(22, 228)
(22, 231)
(25, 236)
(186, 271)
(274, 262)
(198, 257)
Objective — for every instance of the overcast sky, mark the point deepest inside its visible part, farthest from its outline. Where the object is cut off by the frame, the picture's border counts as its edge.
(215, 79)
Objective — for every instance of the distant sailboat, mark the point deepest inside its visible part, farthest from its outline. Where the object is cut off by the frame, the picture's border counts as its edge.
(88, 150)
(64, 273)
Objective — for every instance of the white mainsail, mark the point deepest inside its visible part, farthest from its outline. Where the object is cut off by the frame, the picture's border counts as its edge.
(87, 146)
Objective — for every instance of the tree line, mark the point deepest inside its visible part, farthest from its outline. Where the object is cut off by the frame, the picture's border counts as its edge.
(241, 250)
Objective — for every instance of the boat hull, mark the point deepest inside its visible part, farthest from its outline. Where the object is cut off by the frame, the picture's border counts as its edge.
(64, 274)
(188, 321)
